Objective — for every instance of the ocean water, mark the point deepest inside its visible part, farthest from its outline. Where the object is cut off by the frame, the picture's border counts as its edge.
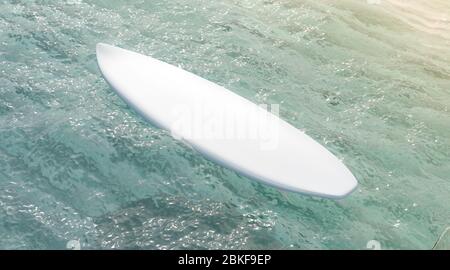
(369, 79)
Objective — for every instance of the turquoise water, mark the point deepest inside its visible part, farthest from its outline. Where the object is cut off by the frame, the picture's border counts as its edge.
(370, 80)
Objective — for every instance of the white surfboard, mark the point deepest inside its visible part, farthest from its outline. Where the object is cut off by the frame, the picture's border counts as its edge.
(223, 126)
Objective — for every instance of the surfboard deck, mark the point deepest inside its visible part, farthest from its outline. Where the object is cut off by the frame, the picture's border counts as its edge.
(223, 126)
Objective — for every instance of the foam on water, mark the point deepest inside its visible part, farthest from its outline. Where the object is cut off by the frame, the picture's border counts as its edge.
(370, 80)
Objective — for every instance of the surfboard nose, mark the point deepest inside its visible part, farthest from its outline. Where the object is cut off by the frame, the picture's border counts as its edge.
(100, 47)
(104, 51)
